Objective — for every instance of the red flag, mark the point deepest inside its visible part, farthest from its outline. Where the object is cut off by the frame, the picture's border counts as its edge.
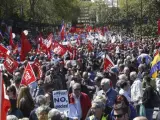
(4, 100)
(88, 28)
(62, 32)
(11, 40)
(10, 64)
(4, 50)
(90, 46)
(59, 49)
(108, 64)
(159, 27)
(28, 76)
(25, 47)
(45, 44)
(37, 68)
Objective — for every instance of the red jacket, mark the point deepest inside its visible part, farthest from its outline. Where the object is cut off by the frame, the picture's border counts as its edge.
(85, 103)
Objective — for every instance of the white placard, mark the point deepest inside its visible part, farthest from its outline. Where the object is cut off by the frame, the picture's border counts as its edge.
(60, 99)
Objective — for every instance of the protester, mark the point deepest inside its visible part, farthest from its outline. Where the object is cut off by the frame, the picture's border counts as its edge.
(42, 112)
(14, 110)
(108, 91)
(147, 98)
(140, 118)
(40, 101)
(80, 100)
(55, 114)
(122, 102)
(25, 102)
(97, 110)
(93, 68)
(12, 117)
(136, 90)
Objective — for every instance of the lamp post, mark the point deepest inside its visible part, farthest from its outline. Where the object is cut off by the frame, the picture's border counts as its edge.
(127, 14)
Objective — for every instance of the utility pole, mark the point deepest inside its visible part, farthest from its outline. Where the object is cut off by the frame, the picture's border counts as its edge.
(127, 14)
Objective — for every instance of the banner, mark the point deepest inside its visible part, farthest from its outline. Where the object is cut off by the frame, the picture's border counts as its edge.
(108, 64)
(60, 99)
(158, 27)
(28, 76)
(37, 69)
(10, 64)
(4, 50)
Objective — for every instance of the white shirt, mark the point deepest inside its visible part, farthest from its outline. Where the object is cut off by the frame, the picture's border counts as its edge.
(136, 91)
(78, 107)
(126, 94)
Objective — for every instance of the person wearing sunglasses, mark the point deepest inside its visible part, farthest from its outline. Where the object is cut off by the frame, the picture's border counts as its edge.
(120, 112)
(121, 104)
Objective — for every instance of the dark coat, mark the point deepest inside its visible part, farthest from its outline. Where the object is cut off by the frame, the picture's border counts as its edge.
(26, 106)
(147, 97)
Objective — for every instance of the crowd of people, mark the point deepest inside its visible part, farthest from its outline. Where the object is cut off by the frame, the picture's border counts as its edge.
(118, 93)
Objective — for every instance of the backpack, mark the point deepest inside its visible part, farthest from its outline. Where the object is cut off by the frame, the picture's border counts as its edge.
(155, 100)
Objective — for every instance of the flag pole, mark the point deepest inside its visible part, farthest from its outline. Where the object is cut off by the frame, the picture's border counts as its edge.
(1, 93)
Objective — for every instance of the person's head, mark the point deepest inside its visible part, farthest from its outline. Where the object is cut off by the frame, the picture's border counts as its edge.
(105, 84)
(55, 114)
(85, 75)
(24, 92)
(11, 117)
(11, 91)
(48, 99)
(76, 79)
(133, 76)
(98, 80)
(158, 83)
(40, 100)
(40, 83)
(147, 79)
(76, 89)
(121, 106)
(42, 112)
(52, 71)
(97, 108)
(122, 77)
(121, 67)
(141, 68)
(126, 70)
(140, 118)
(121, 111)
(124, 85)
(17, 80)
(25, 118)
(101, 98)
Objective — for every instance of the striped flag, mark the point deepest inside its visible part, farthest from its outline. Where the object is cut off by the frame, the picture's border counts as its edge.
(62, 32)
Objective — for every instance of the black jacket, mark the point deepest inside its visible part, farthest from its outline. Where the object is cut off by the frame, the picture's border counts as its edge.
(147, 97)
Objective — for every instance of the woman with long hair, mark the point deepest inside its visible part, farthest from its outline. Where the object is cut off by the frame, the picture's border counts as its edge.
(24, 101)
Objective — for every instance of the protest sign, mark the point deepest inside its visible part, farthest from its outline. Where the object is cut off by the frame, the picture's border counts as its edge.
(60, 99)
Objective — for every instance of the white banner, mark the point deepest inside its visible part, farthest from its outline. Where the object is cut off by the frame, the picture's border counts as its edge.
(60, 99)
